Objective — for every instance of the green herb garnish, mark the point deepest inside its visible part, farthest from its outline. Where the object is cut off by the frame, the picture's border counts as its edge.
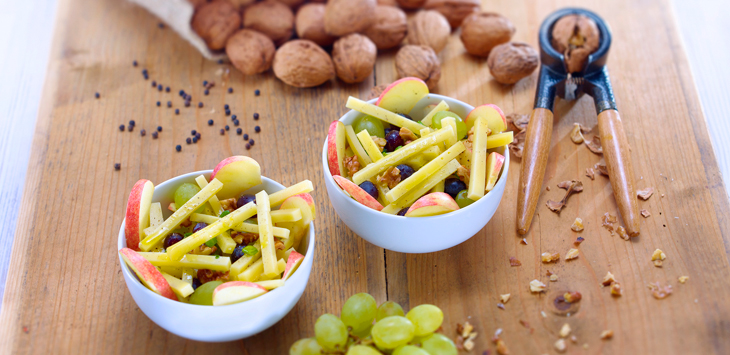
(225, 213)
(250, 250)
(211, 242)
(187, 234)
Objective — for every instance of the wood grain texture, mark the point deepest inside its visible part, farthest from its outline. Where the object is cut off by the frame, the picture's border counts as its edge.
(532, 169)
(65, 293)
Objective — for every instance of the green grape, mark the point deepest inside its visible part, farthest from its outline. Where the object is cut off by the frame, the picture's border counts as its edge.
(308, 346)
(392, 332)
(461, 130)
(439, 344)
(185, 192)
(387, 309)
(203, 295)
(462, 200)
(372, 124)
(331, 333)
(358, 311)
(426, 317)
(410, 350)
(362, 350)
(364, 333)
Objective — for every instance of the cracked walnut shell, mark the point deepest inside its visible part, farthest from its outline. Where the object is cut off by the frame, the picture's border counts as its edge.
(216, 21)
(389, 27)
(309, 24)
(429, 28)
(354, 58)
(250, 52)
(342, 17)
(271, 18)
(576, 36)
(302, 63)
(480, 32)
(454, 10)
(420, 62)
(510, 62)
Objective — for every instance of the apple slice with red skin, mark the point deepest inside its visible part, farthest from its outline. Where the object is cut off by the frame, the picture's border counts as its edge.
(305, 203)
(494, 166)
(137, 216)
(336, 148)
(147, 273)
(496, 121)
(402, 95)
(358, 193)
(238, 174)
(236, 292)
(295, 259)
(432, 204)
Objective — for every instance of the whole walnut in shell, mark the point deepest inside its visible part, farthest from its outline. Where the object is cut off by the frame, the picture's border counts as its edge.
(429, 28)
(411, 4)
(291, 3)
(250, 52)
(482, 31)
(576, 36)
(240, 4)
(389, 27)
(342, 17)
(454, 10)
(354, 58)
(271, 18)
(302, 63)
(215, 22)
(510, 62)
(420, 62)
(310, 24)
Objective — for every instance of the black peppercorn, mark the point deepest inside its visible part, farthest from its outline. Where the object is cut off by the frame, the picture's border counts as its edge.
(257, 129)
(159, 104)
(197, 135)
(130, 128)
(155, 135)
(167, 89)
(251, 142)
(239, 131)
(248, 146)
(226, 106)
(200, 104)
(223, 131)
(132, 123)
(97, 95)
(161, 25)
(188, 140)
(206, 92)
(257, 92)
(154, 83)
(236, 122)
(230, 90)
(178, 147)
(182, 92)
(205, 83)
(159, 87)
(143, 133)
(234, 117)
(195, 139)
(169, 104)
(134, 63)
(187, 103)
(227, 128)
(121, 127)
(193, 132)
(245, 137)
(117, 166)
(256, 116)
(228, 112)
(210, 122)
(177, 111)
(159, 128)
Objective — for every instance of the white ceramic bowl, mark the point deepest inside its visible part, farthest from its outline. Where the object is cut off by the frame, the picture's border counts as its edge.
(221, 323)
(415, 234)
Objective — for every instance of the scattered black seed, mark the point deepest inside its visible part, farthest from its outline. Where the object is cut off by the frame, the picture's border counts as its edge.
(187, 103)
(248, 146)
(245, 137)
(188, 140)
(197, 135)
(159, 104)
(182, 92)
(230, 90)
(195, 139)
(226, 106)
(220, 61)
(154, 83)
(257, 92)
(134, 63)
(177, 111)
(161, 25)
(236, 122)
(251, 142)
(167, 89)
(228, 128)
(205, 83)
(97, 95)
(146, 77)
(159, 87)
(132, 123)
(145, 72)
(155, 135)
(223, 131)
(210, 122)
(193, 132)
(200, 104)
(206, 92)
(257, 129)
(228, 112)
(143, 133)
(239, 131)
(256, 116)
(121, 127)
(117, 166)
(234, 117)
(178, 147)
(130, 128)
(169, 104)
(159, 128)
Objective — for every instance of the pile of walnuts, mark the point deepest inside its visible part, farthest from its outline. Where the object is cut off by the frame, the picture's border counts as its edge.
(308, 43)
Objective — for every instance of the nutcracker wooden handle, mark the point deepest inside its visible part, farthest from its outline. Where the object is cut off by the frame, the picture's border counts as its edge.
(620, 171)
(534, 161)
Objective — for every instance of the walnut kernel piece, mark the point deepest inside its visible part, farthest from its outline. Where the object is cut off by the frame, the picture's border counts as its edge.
(429, 28)
(577, 225)
(352, 165)
(229, 204)
(590, 173)
(354, 58)
(502, 347)
(565, 330)
(518, 144)
(514, 262)
(406, 134)
(548, 257)
(578, 241)
(244, 238)
(389, 27)
(271, 18)
(454, 10)
(467, 329)
(343, 17)
(560, 345)
(621, 231)
(536, 286)
(504, 297)
(463, 173)
(606, 334)
(645, 213)
(250, 52)
(572, 254)
(216, 21)
(205, 275)
(420, 62)
(576, 36)
(616, 289)
(389, 178)
(482, 31)
(524, 241)
(608, 279)
(594, 145)
(302, 63)
(576, 135)
(309, 24)
(380, 142)
(554, 278)
(660, 292)
(645, 193)
(607, 221)
(572, 297)
(518, 122)
(683, 279)
(512, 61)
(658, 255)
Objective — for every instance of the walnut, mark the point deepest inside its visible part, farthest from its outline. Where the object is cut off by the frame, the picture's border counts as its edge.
(683, 279)
(483, 31)
(205, 275)
(411, 4)
(354, 57)
(250, 52)
(271, 18)
(576, 134)
(215, 22)
(536, 286)
(229, 204)
(577, 225)
(514, 262)
(645, 193)
(375, 91)
(510, 62)
(309, 24)
(420, 62)
(463, 173)
(621, 231)
(505, 297)
(429, 28)
(607, 334)
(572, 297)
(518, 122)
(342, 17)
(565, 330)
(279, 245)
(576, 36)
(244, 238)
(578, 241)
(658, 255)
(389, 27)
(548, 257)
(607, 221)
(454, 10)
(302, 63)
(608, 279)
(616, 289)
(380, 142)
(601, 168)
(518, 144)
(595, 145)
(390, 177)
(572, 254)
(560, 345)
(291, 3)
(554, 278)
(406, 134)
(352, 165)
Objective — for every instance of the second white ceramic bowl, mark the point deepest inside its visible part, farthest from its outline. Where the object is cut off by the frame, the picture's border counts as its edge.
(415, 234)
(219, 323)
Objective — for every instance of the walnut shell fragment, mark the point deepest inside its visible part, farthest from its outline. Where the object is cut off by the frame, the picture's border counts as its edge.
(216, 21)
(571, 187)
(518, 122)
(645, 193)
(302, 63)
(514, 262)
(250, 52)
(536, 286)
(389, 27)
(577, 225)
(510, 62)
(309, 25)
(343, 17)
(576, 36)
(271, 18)
(454, 10)
(429, 28)
(420, 62)
(594, 145)
(354, 58)
(480, 32)
(601, 168)
(518, 144)
(576, 134)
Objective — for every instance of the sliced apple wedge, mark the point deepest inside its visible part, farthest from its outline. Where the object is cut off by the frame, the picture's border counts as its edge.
(137, 216)
(358, 193)
(147, 273)
(237, 173)
(270, 284)
(433, 204)
(402, 95)
(496, 121)
(494, 166)
(295, 259)
(236, 292)
(180, 287)
(336, 139)
(305, 204)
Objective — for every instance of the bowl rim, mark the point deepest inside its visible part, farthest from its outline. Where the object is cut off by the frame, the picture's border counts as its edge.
(364, 209)
(121, 243)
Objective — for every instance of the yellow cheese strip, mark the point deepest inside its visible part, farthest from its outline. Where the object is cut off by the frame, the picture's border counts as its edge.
(179, 249)
(426, 131)
(180, 215)
(286, 215)
(205, 218)
(192, 261)
(279, 232)
(442, 106)
(266, 233)
(382, 192)
(281, 266)
(226, 243)
(399, 155)
(270, 284)
(411, 197)
(245, 261)
(354, 143)
(369, 145)
(417, 161)
(427, 170)
(432, 152)
(382, 114)
(188, 275)
(174, 271)
(215, 204)
(439, 187)
(156, 218)
(477, 173)
(451, 122)
(180, 287)
(252, 272)
(277, 198)
(499, 140)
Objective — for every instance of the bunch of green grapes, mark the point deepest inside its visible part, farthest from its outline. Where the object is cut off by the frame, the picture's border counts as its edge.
(363, 328)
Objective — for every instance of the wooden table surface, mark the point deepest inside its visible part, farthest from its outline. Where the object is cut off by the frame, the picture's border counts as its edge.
(65, 293)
